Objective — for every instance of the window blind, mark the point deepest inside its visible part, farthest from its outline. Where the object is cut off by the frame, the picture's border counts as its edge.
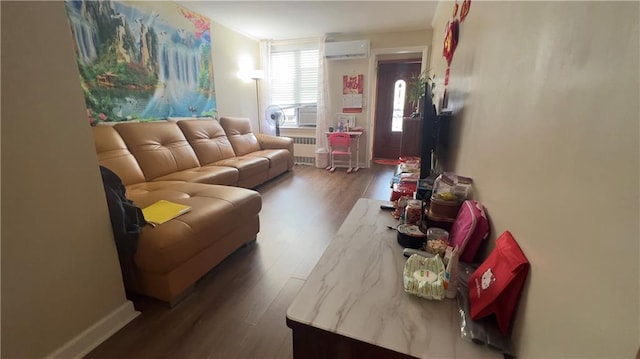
(294, 77)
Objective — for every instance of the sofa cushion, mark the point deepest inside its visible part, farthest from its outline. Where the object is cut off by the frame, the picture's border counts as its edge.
(238, 131)
(208, 139)
(222, 175)
(217, 211)
(140, 193)
(252, 170)
(159, 147)
(279, 161)
(275, 157)
(114, 155)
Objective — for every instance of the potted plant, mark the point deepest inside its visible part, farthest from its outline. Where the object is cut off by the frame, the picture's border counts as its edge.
(416, 89)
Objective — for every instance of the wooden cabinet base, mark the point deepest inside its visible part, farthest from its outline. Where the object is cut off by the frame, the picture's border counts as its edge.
(314, 343)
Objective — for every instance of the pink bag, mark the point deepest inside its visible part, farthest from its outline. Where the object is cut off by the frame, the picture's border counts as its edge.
(470, 228)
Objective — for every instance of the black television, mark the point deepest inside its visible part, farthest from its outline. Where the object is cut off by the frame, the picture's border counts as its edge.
(435, 136)
(429, 128)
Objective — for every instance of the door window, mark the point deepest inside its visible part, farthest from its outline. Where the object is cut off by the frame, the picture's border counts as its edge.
(398, 105)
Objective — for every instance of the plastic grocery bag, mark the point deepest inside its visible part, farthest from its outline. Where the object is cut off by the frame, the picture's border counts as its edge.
(482, 331)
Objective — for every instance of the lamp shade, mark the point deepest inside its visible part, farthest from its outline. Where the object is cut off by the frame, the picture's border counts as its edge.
(256, 74)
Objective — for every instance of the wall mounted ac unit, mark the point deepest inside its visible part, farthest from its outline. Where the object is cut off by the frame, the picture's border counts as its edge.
(346, 50)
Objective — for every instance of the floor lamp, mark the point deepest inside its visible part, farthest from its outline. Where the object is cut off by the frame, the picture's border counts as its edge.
(257, 75)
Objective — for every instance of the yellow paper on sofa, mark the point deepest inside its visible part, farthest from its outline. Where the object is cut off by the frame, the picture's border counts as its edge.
(163, 211)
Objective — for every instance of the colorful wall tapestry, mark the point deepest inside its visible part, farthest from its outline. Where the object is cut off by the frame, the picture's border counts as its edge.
(142, 60)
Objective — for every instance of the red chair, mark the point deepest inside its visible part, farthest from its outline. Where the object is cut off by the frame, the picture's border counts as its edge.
(340, 147)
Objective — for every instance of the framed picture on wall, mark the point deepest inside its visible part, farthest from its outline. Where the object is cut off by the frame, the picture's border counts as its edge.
(352, 93)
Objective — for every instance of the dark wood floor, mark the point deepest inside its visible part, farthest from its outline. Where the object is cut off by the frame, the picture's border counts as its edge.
(238, 309)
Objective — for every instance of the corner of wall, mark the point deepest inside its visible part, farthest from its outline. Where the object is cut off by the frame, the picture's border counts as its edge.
(90, 338)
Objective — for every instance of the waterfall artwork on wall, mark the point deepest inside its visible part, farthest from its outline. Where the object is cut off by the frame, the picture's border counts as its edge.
(142, 60)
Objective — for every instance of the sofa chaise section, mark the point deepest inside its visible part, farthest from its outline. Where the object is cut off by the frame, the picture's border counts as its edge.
(173, 256)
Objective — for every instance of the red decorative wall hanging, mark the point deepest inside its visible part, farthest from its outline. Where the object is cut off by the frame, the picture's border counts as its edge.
(352, 89)
(464, 11)
(450, 40)
(451, 34)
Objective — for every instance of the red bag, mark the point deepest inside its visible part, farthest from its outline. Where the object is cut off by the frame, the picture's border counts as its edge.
(403, 189)
(469, 230)
(495, 287)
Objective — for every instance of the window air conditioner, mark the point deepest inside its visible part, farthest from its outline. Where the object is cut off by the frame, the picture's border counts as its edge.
(307, 116)
(346, 50)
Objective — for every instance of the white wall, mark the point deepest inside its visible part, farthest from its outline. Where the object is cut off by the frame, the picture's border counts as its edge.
(545, 96)
(234, 96)
(60, 270)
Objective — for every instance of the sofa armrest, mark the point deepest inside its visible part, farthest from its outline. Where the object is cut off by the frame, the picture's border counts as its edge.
(268, 142)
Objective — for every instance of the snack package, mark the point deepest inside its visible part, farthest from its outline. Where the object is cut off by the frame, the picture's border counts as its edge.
(451, 187)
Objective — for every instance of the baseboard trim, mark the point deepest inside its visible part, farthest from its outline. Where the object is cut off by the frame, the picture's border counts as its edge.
(100, 331)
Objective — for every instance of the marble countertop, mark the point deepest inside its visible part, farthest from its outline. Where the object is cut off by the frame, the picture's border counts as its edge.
(356, 291)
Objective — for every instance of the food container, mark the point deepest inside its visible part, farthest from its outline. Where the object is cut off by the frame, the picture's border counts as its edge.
(410, 236)
(437, 241)
(436, 246)
(434, 233)
(444, 207)
(413, 212)
(437, 221)
(401, 205)
(443, 185)
(451, 184)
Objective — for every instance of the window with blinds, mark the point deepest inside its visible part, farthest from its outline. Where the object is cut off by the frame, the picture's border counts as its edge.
(294, 82)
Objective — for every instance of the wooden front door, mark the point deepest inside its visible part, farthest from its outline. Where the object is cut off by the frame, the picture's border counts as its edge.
(386, 142)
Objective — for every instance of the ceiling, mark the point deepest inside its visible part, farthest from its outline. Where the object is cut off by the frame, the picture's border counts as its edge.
(282, 20)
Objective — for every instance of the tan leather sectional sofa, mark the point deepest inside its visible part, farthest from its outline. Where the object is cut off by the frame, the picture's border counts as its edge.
(200, 163)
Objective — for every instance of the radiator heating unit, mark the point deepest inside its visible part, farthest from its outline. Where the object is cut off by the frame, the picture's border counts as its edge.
(304, 148)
